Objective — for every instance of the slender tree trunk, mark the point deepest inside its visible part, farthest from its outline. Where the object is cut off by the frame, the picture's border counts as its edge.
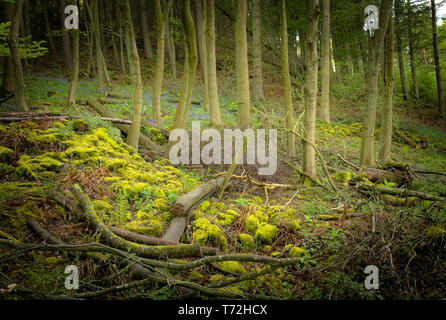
(97, 33)
(257, 83)
(135, 127)
(242, 66)
(121, 41)
(415, 92)
(376, 43)
(399, 50)
(386, 125)
(145, 29)
(309, 153)
(214, 106)
(437, 58)
(13, 42)
(200, 13)
(65, 37)
(48, 26)
(8, 69)
(170, 46)
(288, 100)
(75, 73)
(325, 68)
(190, 69)
(159, 73)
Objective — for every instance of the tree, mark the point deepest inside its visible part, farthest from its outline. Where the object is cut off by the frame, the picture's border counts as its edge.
(376, 42)
(190, 69)
(242, 66)
(159, 71)
(437, 58)
(289, 110)
(8, 66)
(200, 14)
(148, 51)
(386, 123)
(410, 16)
(75, 72)
(13, 42)
(65, 37)
(325, 68)
(309, 153)
(398, 25)
(135, 127)
(257, 83)
(214, 106)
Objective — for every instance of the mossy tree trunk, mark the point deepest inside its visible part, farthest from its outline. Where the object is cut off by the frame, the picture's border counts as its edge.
(214, 106)
(134, 130)
(13, 42)
(159, 72)
(325, 68)
(376, 43)
(190, 69)
(288, 101)
(257, 83)
(386, 125)
(311, 86)
(241, 44)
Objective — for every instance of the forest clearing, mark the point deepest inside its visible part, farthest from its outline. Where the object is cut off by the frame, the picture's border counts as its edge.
(252, 150)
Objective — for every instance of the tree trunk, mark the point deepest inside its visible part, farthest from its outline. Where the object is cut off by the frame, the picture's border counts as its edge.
(190, 69)
(257, 83)
(437, 58)
(48, 26)
(376, 43)
(214, 106)
(8, 69)
(401, 67)
(159, 73)
(134, 130)
(65, 37)
(311, 86)
(200, 14)
(415, 92)
(325, 68)
(170, 46)
(242, 66)
(13, 42)
(386, 124)
(289, 110)
(145, 30)
(75, 73)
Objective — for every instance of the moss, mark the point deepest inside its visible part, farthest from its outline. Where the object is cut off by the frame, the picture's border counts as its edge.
(266, 233)
(343, 177)
(245, 240)
(6, 155)
(32, 167)
(296, 252)
(294, 225)
(202, 223)
(252, 223)
(79, 125)
(216, 278)
(227, 218)
(261, 216)
(232, 267)
(5, 169)
(51, 260)
(435, 231)
(151, 227)
(112, 179)
(207, 233)
(194, 275)
(204, 205)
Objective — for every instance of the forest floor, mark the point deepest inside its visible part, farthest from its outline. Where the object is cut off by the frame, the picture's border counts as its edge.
(334, 234)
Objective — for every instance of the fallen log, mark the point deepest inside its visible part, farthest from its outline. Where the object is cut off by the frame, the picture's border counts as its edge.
(175, 100)
(106, 100)
(379, 175)
(116, 95)
(175, 230)
(143, 140)
(185, 202)
(38, 117)
(367, 188)
(407, 140)
(176, 251)
(129, 235)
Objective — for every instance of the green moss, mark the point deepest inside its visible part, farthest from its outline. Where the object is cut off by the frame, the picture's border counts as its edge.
(435, 231)
(32, 167)
(294, 225)
(216, 278)
(114, 164)
(245, 240)
(227, 218)
(207, 233)
(343, 177)
(194, 275)
(232, 267)
(5, 169)
(51, 260)
(151, 227)
(297, 252)
(6, 155)
(80, 125)
(266, 233)
(252, 223)
(202, 223)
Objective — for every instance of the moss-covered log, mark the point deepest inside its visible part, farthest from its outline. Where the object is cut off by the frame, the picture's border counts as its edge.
(176, 251)
(185, 202)
(368, 188)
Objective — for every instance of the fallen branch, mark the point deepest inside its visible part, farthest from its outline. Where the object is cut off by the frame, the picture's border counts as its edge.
(367, 188)
(38, 117)
(186, 201)
(347, 162)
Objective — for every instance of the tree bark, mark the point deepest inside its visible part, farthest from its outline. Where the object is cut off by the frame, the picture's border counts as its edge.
(242, 66)
(325, 68)
(257, 83)
(415, 92)
(13, 42)
(402, 71)
(376, 42)
(387, 122)
(75, 72)
(148, 51)
(437, 58)
(288, 100)
(65, 37)
(311, 86)
(170, 47)
(214, 106)
(8, 69)
(200, 14)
